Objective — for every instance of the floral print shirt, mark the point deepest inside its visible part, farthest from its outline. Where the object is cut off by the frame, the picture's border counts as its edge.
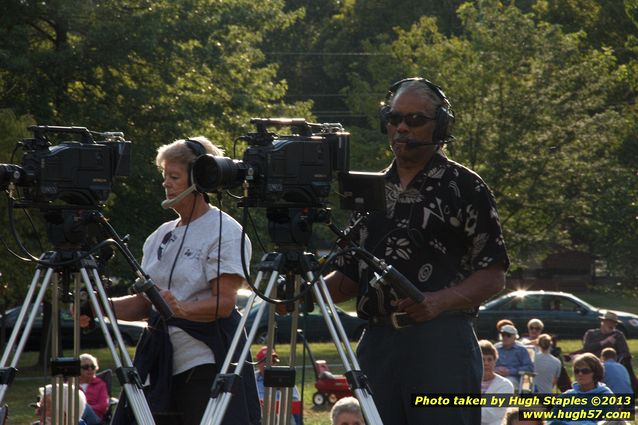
(438, 231)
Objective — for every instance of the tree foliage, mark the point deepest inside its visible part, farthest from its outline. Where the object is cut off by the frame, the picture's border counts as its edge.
(543, 91)
(538, 116)
(156, 70)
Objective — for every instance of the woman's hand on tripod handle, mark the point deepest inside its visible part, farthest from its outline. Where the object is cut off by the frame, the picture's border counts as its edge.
(176, 306)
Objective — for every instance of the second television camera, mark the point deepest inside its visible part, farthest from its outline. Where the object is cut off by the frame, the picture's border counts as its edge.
(79, 173)
(292, 171)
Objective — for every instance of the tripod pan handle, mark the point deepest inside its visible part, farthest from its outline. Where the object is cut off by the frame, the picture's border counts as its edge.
(402, 285)
(150, 289)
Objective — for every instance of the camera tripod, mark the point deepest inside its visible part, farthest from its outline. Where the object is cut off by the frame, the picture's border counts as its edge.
(79, 267)
(290, 233)
(277, 410)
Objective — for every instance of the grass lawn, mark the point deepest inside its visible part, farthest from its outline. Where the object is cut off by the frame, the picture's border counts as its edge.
(24, 388)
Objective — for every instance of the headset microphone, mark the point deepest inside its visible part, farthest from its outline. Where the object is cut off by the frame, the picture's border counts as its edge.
(168, 203)
(411, 143)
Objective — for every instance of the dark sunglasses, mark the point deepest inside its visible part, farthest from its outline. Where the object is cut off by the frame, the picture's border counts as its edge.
(535, 328)
(413, 119)
(88, 366)
(505, 334)
(584, 371)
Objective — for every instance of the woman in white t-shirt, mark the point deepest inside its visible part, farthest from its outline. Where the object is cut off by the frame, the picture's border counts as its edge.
(196, 262)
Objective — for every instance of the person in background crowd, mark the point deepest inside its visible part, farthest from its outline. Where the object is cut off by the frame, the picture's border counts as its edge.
(616, 376)
(346, 411)
(588, 373)
(44, 408)
(546, 366)
(512, 356)
(260, 358)
(534, 329)
(492, 384)
(94, 388)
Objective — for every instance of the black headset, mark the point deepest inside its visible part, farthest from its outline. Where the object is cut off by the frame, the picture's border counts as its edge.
(198, 149)
(443, 117)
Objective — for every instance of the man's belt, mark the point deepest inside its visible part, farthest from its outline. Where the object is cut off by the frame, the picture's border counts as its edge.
(401, 319)
(397, 320)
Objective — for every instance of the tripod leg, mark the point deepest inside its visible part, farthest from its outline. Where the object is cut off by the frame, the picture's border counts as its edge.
(128, 375)
(222, 387)
(278, 400)
(356, 378)
(28, 307)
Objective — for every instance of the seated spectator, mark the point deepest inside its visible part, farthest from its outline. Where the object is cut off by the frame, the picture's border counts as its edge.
(347, 411)
(546, 366)
(95, 389)
(44, 408)
(588, 373)
(534, 329)
(615, 376)
(492, 384)
(260, 358)
(512, 356)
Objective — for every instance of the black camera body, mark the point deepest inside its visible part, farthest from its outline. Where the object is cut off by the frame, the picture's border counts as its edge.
(79, 173)
(292, 171)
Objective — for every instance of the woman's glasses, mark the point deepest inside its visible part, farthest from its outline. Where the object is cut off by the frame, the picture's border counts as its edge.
(88, 366)
(584, 371)
(413, 119)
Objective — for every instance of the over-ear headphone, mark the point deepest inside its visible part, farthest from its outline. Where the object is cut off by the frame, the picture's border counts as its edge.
(198, 149)
(443, 116)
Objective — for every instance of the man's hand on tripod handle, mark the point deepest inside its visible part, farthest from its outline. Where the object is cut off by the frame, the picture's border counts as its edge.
(469, 293)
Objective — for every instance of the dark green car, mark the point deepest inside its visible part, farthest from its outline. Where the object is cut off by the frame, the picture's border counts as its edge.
(564, 315)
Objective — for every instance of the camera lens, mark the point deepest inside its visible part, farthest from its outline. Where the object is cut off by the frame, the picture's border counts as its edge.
(211, 173)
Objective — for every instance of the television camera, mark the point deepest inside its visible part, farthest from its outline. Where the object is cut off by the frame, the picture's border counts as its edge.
(280, 171)
(78, 173)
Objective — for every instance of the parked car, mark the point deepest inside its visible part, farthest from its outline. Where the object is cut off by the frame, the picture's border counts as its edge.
(313, 326)
(564, 315)
(242, 299)
(89, 338)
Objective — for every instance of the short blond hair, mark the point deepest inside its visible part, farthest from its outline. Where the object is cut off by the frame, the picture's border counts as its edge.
(179, 151)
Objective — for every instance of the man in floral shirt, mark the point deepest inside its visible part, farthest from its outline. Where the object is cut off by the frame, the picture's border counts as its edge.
(442, 232)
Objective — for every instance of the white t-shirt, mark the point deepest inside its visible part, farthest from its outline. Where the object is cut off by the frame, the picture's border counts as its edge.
(196, 266)
(494, 415)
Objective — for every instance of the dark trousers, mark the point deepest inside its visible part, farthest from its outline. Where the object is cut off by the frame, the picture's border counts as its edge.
(437, 357)
(190, 392)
